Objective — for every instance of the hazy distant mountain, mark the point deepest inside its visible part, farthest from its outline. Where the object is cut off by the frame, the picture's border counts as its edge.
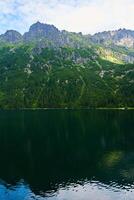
(47, 67)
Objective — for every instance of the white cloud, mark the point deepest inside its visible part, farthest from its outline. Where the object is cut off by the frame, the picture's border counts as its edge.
(88, 16)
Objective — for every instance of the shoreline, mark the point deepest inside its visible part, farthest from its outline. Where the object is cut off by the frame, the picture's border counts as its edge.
(99, 108)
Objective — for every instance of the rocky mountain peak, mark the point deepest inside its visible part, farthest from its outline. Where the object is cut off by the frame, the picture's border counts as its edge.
(37, 26)
(121, 37)
(11, 36)
(40, 30)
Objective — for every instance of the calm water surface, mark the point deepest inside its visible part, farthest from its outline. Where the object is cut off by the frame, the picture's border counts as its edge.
(66, 155)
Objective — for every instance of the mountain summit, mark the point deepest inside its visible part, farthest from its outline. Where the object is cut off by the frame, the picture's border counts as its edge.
(121, 37)
(11, 36)
(39, 31)
(116, 46)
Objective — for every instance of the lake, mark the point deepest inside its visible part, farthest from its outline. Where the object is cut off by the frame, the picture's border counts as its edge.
(67, 155)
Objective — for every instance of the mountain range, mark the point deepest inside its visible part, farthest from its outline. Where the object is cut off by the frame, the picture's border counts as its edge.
(46, 67)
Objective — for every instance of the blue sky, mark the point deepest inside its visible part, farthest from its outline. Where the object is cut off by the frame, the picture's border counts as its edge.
(87, 16)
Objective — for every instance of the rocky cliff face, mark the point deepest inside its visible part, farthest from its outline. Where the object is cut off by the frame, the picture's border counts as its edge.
(48, 35)
(11, 36)
(121, 37)
(120, 42)
(39, 32)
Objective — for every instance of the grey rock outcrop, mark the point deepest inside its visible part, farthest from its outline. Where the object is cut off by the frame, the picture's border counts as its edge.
(11, 36)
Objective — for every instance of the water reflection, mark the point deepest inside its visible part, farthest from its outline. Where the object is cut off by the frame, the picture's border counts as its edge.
(66, 155)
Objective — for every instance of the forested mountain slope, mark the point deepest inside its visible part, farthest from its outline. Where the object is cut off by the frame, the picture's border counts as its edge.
(46, 67)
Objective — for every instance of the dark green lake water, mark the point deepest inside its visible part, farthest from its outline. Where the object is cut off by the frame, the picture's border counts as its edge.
(66, 155)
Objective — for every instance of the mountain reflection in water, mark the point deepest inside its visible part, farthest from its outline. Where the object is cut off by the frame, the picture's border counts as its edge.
(66, 154)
